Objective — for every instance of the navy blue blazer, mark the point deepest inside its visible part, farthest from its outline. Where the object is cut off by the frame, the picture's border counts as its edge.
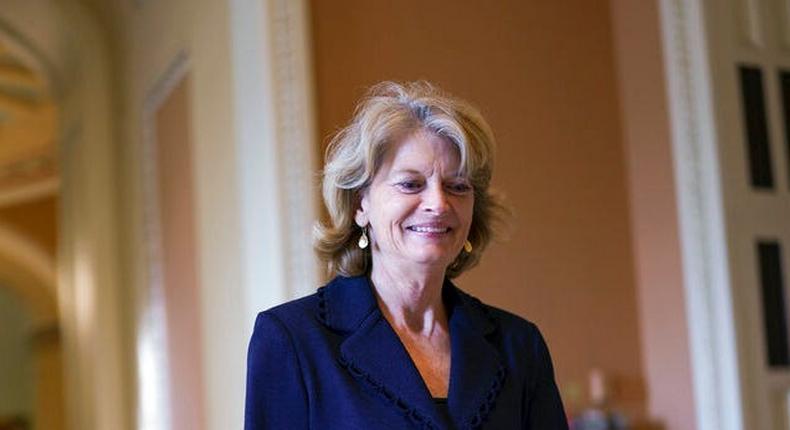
(332, 361)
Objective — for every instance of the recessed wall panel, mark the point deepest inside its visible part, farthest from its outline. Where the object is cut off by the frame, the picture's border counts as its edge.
(756, 127)
(773, 300)
(784, 81)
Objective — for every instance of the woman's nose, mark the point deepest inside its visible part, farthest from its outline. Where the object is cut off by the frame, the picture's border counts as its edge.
(435, 198)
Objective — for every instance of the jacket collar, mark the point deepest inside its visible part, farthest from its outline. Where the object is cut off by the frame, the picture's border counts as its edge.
(373, 353)
(345, 302)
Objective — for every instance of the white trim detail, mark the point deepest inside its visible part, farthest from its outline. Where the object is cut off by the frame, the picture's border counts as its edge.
(275, 132)
(153, 374)
(296, 136)
(751, 29)
(709, 306)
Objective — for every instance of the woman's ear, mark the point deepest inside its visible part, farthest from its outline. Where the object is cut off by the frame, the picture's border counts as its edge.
(361, 215)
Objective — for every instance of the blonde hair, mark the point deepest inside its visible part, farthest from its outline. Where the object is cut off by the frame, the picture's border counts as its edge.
(389, 112)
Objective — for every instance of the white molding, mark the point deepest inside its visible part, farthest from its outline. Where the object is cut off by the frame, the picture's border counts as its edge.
(163, 87)
(153, 368)
(751, 28)
(275, 131)
(296, 138)
(711, 318)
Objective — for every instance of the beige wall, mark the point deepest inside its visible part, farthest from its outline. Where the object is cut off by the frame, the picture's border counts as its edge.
(181, 294)
(156, 39)
(543, 74)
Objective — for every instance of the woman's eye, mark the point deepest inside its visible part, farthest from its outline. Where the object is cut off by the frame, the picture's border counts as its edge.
(410, 185)
(460, 188)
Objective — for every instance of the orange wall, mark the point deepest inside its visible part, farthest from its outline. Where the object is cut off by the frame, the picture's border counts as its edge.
(543, 74)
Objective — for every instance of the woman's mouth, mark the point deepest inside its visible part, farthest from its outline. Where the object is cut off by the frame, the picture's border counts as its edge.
(428, 229)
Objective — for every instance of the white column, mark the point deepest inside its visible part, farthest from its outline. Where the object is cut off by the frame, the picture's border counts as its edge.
(89, 291)
(704, 248)
(254, 140)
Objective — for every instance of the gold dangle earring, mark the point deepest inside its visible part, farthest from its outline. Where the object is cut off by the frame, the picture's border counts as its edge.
(468, 246)
(363, 240)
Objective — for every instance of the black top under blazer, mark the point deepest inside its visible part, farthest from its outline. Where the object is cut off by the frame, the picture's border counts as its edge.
(332, 361)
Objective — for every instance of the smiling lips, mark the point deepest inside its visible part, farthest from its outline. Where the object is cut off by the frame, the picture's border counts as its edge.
(431, 229)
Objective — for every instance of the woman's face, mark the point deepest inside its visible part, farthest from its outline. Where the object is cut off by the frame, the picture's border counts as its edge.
(417, 209)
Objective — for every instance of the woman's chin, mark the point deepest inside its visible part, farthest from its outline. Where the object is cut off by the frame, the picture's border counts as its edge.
(435, 258)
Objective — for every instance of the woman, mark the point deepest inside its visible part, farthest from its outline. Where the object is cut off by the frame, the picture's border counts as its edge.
(391, 343)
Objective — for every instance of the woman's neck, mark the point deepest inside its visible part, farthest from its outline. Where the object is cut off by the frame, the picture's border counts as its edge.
(410, 300)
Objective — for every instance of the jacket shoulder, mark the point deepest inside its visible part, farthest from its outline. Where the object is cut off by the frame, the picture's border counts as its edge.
(516, 335)
(506, 321)
(295, 313)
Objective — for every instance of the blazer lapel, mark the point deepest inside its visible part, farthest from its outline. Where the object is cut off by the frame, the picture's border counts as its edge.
(477, 371)
(373, 353)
